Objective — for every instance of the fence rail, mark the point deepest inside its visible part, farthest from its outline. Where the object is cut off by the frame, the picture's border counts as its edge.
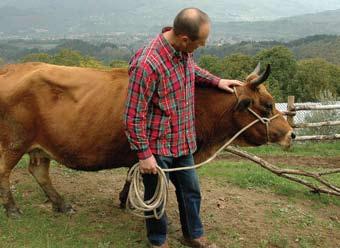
(316, 124)
(292, 109)
(318, 137)
(315, 107)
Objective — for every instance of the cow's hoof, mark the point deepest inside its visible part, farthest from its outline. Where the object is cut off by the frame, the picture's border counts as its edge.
(64, 208)
(122, 205)
(14, 213)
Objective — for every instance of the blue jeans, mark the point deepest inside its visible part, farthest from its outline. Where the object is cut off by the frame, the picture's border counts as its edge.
(188, 197)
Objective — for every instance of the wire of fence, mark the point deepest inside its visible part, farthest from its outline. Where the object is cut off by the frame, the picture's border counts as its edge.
(310, 116)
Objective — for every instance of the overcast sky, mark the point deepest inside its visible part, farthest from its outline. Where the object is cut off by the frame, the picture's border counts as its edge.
(217, 9)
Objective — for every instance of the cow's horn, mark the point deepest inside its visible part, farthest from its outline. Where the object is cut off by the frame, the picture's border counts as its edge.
(257, 69)
(263, 77)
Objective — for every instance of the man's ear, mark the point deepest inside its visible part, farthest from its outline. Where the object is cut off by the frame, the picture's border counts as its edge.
(184, 38)
(243, 104)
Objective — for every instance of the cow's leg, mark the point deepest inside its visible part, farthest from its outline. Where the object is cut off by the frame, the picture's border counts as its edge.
(8, 160)
(39, 167)
(123, 195)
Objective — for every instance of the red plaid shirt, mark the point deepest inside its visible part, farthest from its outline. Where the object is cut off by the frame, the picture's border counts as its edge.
(159, 115)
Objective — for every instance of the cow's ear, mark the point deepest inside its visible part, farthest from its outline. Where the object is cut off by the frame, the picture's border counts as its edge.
(243, 104)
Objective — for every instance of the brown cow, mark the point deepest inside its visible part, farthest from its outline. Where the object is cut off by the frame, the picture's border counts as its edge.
(74, 116)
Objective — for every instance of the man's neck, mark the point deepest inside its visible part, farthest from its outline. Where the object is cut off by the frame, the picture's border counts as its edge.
(172, 39)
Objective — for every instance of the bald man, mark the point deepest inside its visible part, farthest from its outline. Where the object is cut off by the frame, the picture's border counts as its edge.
(160, 117)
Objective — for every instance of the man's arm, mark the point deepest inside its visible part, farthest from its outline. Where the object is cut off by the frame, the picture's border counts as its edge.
(206, 78)
(142, 84)
(140, 91)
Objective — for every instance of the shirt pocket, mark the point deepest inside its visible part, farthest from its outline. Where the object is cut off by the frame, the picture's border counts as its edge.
(171, 89)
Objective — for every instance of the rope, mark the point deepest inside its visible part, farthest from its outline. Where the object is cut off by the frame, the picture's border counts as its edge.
(158, 202)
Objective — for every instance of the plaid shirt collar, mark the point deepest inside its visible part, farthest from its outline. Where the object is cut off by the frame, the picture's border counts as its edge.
(169, 49)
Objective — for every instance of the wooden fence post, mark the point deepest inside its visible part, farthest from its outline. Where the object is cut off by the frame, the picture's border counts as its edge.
(290, 107)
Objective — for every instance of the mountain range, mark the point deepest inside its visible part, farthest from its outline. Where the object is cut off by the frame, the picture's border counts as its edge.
(243, 19)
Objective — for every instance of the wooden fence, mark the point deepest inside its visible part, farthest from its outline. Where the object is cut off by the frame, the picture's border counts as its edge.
(292, 108)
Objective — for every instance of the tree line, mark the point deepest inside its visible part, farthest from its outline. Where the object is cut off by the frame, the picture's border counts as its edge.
(70, 57)
(312, 79)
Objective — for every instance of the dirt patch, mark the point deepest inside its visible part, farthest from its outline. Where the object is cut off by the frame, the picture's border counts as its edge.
(233, 217)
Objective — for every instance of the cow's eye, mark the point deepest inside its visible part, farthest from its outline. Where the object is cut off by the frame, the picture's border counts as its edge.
(269, 106)
(268, 109)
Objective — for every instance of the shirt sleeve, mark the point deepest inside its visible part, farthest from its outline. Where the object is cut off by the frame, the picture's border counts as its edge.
(140, 90)
(204, 77)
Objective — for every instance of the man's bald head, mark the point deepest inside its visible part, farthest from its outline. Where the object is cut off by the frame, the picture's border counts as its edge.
(188, 22)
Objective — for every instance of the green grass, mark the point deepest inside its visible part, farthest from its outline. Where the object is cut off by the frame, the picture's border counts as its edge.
(23, 163)
(41, 230)
(251, 175)
(285, 212)
(315, 149)
(39, 227)
(99, 224)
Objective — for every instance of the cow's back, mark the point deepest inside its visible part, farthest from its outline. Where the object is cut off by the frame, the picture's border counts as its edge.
(73, 114)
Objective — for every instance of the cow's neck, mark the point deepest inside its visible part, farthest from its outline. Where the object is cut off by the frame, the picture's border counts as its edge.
(214, 120)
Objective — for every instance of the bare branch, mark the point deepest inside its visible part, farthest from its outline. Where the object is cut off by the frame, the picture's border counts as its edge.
(287, 173)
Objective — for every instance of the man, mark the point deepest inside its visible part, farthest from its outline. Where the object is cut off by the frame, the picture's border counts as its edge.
(159, 118)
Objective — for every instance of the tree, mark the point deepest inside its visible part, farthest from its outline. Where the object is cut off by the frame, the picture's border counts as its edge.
(284, 67)
(211, 63)
(237, 66)
(119, 64)
(2, 62)
(75, 58)
(335, 78)
(65, 57)
(91, 62)
(68, 57)
(37, 57)
(316, 80)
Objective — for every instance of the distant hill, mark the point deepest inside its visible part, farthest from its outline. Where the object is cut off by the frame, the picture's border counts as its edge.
(78, 18)
(318, 46)
(13, 51)
(327, 47)
(327, 22)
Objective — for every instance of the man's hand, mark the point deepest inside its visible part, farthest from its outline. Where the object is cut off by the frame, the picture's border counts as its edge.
(227, 84)
(148, 166)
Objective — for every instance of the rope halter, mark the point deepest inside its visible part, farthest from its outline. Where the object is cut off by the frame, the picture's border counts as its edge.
(266, 121)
